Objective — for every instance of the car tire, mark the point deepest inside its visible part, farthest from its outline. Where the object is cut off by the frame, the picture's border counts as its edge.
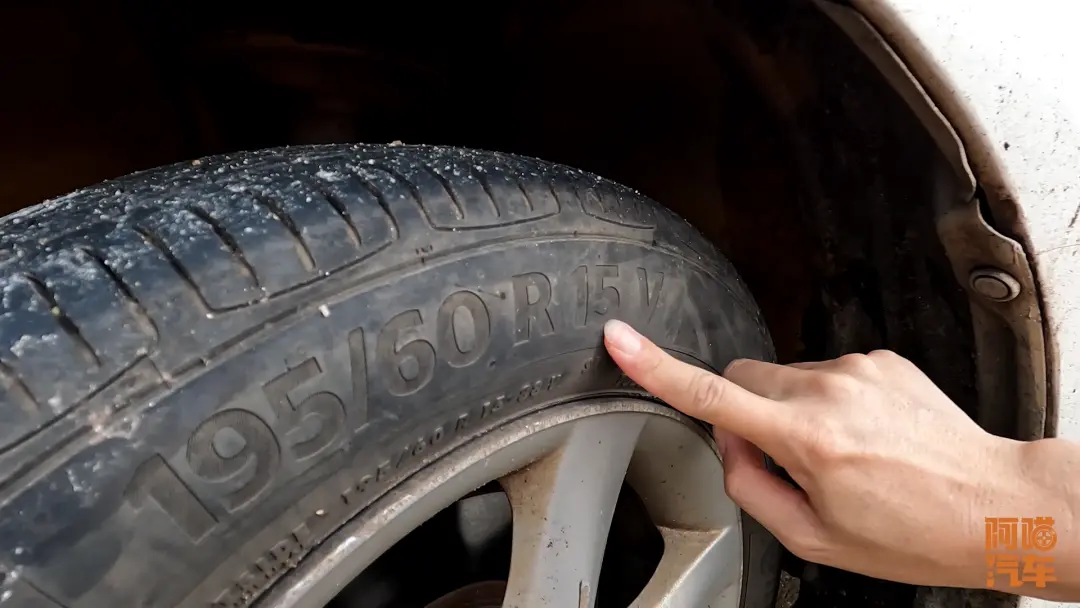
(189, 352)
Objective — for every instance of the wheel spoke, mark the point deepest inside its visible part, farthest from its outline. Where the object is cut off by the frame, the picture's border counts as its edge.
(696, 568)
(562, 509)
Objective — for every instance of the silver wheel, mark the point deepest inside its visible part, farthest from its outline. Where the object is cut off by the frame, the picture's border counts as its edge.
(562, 470)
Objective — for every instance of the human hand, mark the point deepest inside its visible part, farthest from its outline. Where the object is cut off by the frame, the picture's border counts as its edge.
(894, 479)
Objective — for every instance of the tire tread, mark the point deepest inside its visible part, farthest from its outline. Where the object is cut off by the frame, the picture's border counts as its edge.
(315, 214)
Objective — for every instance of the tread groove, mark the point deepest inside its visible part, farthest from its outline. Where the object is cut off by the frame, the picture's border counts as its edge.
(86, 350)
(302, 251)
(380, 198)
(228, 240)
(487, 190)
(525, 193)
(19, 392)
(342, 211)
(155, 241)
(398, 176)
(459, 211)
(582, 194)
(138, 311)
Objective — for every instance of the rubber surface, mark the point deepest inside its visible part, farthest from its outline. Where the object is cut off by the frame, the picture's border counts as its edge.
(207, 368)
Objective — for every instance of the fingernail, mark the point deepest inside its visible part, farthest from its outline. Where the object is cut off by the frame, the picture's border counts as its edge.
(622, 337)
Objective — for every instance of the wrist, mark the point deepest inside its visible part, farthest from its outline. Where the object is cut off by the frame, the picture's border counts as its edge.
(990, 486)
(1044, 486)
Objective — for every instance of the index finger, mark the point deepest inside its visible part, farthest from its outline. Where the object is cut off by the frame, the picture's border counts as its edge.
(695, 391)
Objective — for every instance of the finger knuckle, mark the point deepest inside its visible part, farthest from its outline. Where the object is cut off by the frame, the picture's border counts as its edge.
(882, 355)
(651, 362)
(833, 386)
(707, 390)
(887, 359)
(857, 364)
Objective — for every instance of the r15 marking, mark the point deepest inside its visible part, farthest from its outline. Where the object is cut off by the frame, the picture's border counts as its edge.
(597, 293)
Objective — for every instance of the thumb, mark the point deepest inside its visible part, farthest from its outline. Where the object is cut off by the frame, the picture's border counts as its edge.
(783, 509)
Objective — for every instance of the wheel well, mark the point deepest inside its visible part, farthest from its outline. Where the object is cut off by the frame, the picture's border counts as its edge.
(761, 123)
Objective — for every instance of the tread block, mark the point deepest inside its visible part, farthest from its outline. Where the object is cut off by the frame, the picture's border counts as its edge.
(20, 412)
(91, 299)
(520, 191)
(67, 331)
(329, 236)
(470, 194)
(173, 304)
(47, 361)
(379, 201)
(277, 255)
(196, 246)
(534, 197)
(456, 194)
(365, 209)
(604, 201)
(440, 208)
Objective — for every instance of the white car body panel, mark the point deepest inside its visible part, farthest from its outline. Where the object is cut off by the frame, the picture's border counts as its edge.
(1006, 74)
